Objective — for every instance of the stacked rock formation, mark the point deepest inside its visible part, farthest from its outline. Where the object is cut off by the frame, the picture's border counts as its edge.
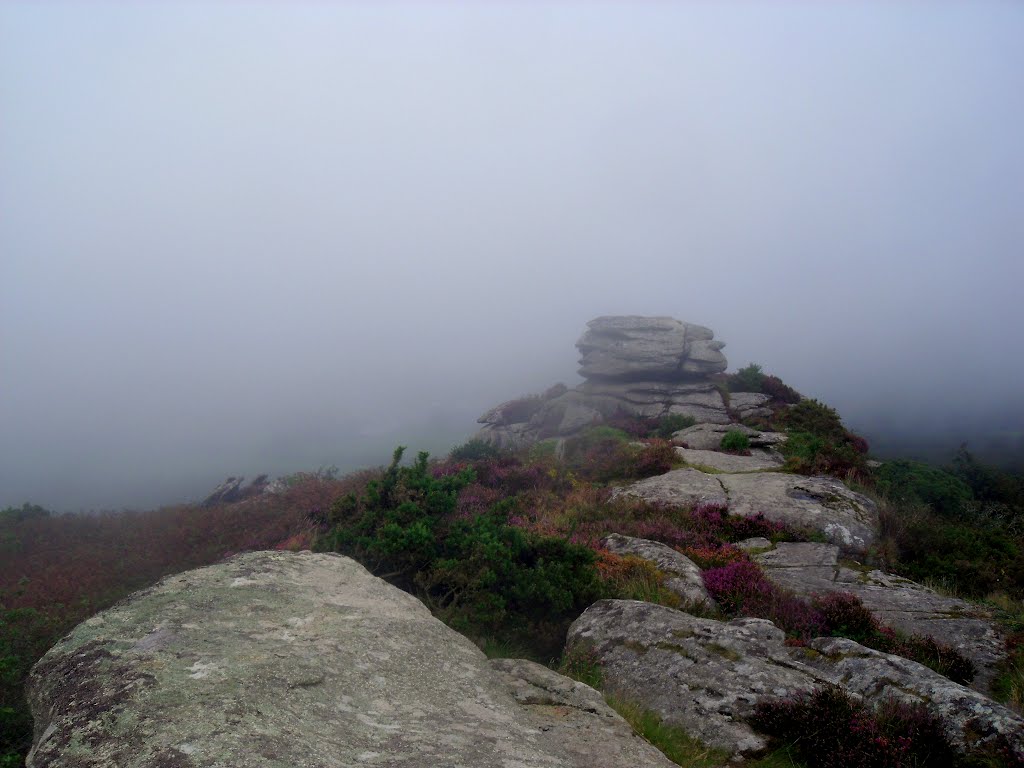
(643, 366)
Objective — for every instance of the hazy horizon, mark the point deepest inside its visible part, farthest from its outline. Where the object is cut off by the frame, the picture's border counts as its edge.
(241, 237)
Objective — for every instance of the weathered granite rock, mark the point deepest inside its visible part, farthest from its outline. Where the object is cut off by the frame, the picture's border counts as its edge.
(707, 676)
(678, 487)
(685, 578)
(509, 437)
(572, 722)
(232, 490)
(808, 568)
(970, 719)
(634, 347)
(702, 675)
(820, 503)
(643, 366)
(748, 405)
(700, 400)
(758, 460)
(708, 437)
(282, 659)
(754, 544)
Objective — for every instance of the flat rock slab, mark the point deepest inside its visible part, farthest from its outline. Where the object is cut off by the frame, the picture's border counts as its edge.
(288, 659)
(758, 460)
(707, 676)
(684, 576)
(681, 487)
(708, 436)
(897, 602)
(820, 503)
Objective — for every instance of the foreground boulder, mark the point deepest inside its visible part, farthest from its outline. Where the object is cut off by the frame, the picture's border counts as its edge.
(283, 659)
(708, 676)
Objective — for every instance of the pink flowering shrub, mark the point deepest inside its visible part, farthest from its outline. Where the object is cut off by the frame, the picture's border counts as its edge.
(741, 589)
(829, 729)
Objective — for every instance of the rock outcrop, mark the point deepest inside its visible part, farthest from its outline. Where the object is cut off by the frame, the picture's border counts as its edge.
(276, 658)
(648, 348)
(822, 504)
(643, 366)
(708, 676)
(896, 602)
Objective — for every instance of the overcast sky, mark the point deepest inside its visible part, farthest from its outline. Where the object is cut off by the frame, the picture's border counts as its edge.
(241, 237)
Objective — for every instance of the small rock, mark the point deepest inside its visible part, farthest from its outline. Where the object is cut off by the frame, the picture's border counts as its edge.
(759, 459)
(686, 578)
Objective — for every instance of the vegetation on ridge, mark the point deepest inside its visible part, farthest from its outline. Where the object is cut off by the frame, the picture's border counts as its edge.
(506, 548)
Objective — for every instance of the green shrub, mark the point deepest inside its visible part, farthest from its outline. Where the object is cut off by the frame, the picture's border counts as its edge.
(747, 379)
(490, 575)
(603, 453)
(25, 512)
(972, 560)
(906, 480)
(819, 443)
(480, 574)
(735, 441)
(816, 418)
(669, 425)
(474, 450)
(753, 379)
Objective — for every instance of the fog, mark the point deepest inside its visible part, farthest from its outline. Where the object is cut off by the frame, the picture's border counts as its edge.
(268, 237)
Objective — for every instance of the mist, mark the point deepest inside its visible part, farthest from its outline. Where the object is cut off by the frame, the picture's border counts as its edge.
(269, 237)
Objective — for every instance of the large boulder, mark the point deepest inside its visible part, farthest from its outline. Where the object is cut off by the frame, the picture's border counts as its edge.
(646, 348)
(810, 568)
(708, 676)
(282, 659)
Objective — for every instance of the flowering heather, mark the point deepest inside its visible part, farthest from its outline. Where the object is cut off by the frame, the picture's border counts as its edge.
(742, 589)
(511, 476)
(738, 586)
(714, 557)
(829, 729)
(846, 616)
(475, 499)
